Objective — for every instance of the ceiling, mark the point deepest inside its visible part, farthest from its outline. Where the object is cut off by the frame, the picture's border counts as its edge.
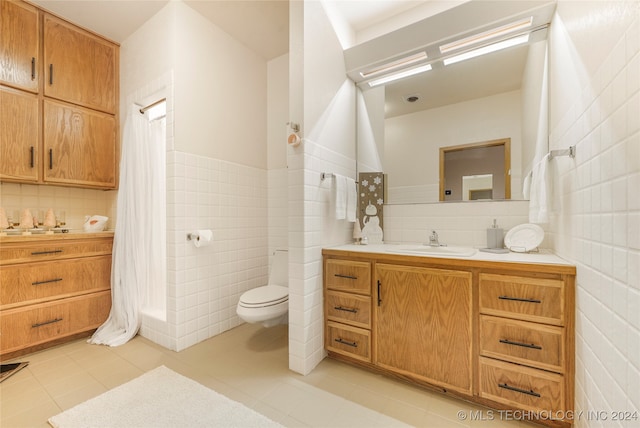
(261, 25)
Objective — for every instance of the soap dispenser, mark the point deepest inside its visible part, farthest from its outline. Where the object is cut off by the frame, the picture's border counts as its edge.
(494, 236)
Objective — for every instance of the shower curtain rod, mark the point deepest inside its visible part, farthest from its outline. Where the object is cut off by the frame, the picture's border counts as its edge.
(143, 109)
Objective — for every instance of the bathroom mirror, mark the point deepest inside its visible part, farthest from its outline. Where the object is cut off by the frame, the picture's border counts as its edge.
(405, 125)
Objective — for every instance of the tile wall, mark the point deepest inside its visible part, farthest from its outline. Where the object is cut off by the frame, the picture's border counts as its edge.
(598, 226)
(463, 223)
(204, 284)
(77, 203)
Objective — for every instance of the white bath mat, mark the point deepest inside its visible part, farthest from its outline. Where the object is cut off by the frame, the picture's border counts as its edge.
(160, 398)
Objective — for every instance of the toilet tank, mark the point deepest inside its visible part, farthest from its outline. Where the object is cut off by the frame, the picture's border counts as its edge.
(280, 269)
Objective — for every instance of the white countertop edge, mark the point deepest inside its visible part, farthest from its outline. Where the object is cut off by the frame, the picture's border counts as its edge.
(543, 256)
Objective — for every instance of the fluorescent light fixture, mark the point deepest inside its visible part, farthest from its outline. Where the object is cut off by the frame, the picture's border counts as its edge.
(400, 75)
(487, 35)
(393, 65)
(514, 41)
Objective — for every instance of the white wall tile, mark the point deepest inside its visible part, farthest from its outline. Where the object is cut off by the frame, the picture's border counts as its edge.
(604, 243)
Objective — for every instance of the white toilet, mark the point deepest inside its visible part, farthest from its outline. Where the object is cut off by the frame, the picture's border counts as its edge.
(268, 304)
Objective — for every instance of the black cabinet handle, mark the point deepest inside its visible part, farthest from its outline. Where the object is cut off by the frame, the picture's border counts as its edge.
(345, 342)
(39, 253)
(33, 68)
(524, 345)
(339, 275)
(31, 152)
(379, 296)
(519, 299)
(46, 281)
(342, 308)
(40, 324)
(51, 74)
(50, 158)
(523, 391)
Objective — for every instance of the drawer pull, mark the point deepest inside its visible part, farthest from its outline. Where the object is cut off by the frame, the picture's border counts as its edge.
(33, 68)
(523, 391)
(39, 253)
(524, 345)
(345, 342)
(339, 275)
(47, 281)
(40, 324)
(342, 308)
(519, 299)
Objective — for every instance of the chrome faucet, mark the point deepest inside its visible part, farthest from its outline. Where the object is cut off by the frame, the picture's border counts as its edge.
(433, 239)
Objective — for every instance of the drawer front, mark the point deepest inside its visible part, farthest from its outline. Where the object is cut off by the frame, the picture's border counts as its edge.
(21, 328)
(36, 282)
(28, 252)
(522, 342)
(529, 299)
(349, 308)
(347, 275)
(521, 387)
(350, 341)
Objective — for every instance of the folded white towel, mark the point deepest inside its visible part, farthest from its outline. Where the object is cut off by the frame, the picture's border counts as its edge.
(341, 196)
(541, 192)
(352, 199)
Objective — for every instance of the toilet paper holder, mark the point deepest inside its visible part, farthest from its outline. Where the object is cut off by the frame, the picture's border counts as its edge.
(198, 235)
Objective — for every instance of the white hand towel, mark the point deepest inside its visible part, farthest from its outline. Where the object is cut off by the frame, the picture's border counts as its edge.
(352, 199)
(341, 196)
(541, 192)
(526, 187)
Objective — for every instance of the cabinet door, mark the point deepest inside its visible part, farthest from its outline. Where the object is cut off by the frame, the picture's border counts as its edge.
(20, 35)
(424, 324)
(79, 146)
(19, 153)
(79, 67)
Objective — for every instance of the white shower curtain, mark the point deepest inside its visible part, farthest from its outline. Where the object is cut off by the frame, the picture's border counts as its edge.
(139, 246)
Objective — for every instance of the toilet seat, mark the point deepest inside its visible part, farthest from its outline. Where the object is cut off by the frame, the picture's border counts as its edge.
(267, 295)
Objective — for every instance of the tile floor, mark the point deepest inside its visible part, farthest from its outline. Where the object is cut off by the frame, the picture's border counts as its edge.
(247, 364)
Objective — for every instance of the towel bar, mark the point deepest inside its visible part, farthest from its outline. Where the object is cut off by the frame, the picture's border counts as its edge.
(571, 152)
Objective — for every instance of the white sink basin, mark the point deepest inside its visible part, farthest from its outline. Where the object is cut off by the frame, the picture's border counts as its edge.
(426, 250)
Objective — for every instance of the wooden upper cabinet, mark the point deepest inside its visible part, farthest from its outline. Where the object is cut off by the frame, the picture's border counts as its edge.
(19, 136)
(79, 67)
(19, 47)
(79, 146)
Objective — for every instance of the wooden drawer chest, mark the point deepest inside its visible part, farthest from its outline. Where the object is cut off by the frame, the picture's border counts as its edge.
(52, 288)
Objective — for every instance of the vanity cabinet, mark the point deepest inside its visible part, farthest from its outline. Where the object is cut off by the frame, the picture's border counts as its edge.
(61, 129)
(348, 308)
(424, 324)
(20, 47)
(524, 341)
(53, 289)
(500, 334)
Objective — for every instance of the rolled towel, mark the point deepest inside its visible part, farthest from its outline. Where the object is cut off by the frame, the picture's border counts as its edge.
(341, 196)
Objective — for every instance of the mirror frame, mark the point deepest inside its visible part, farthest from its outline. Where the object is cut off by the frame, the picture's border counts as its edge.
(505, 142)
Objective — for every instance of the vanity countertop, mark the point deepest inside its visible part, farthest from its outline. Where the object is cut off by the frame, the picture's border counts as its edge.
(543, 257)
(72, 234)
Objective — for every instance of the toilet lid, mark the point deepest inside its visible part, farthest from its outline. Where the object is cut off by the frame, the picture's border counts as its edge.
(267, 295)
